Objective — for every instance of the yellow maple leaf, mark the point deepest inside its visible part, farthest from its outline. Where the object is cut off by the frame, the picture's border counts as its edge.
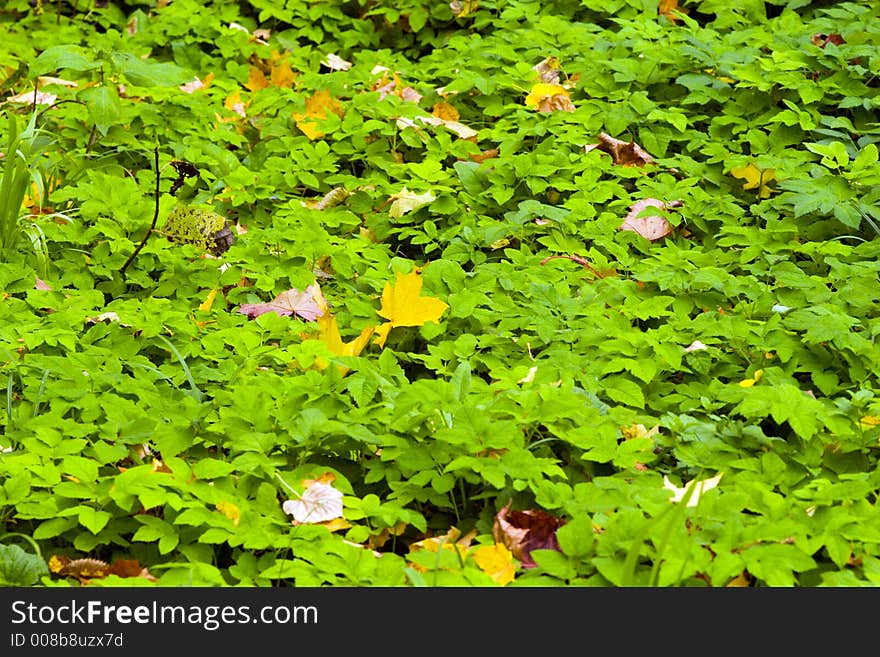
(549, 97)
(496, 561)
(230, 510)
(402, 305)
(755, 178)
(328, 333)
(317, 108)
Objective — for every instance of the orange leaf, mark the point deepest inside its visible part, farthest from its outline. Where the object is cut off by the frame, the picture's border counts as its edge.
(317, 108)
(668, 8)
(256, 80)
(445, 111)
(282, 75)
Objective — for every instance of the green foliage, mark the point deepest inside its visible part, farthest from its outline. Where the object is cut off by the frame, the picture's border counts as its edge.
(141, 421)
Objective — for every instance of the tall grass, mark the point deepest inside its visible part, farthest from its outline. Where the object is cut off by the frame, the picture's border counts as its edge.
(22, 171)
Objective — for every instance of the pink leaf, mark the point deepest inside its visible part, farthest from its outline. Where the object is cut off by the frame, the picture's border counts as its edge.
(292, 302)
(42, 285)
(650, 225)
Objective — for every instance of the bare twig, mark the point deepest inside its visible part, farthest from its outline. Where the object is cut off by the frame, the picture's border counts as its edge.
(155, 217)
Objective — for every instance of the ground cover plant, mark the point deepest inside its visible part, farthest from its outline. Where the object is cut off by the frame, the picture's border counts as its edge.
(489, 293)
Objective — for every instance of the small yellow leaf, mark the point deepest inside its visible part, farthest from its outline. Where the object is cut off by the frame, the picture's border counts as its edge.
(549, 97)
(230, 510)
(496, 561)
(205, 306)
(748, 383)
(403, 305)
(755, 178)
(869, 421)
(317, 108)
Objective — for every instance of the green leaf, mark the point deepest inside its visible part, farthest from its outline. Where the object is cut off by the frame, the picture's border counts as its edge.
(554, 563)
(20, 568)
(624, 391)
(103, 105)
(60, 57)
(149, 73)
(93, 519)
(576, 537)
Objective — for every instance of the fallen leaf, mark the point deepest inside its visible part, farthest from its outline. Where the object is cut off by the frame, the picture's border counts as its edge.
(668, 8)
(740, 581)
(623, 153)
(40, 284)
(390, 84)
(496, 561)
(205, 306)
(748, 383)
(197, 84)
(402, 305)
(256, 79)
(328, 333)
(463, 8)
(31, 97)
(549, 98)
(104, 317)
(755, 178)
(319, 502)
(305, 304)
(230, 510)
(45, 80)
(696, 345)
(699, 487)
(331, 199)
(650, 225)
(524, 531)
(335, 63)
(823, 40)
(548, 70)
(318, 107)
(281, 75)
(445, 111)
(451, 540)
(234, 103)
(639, 431)
(406, 201)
